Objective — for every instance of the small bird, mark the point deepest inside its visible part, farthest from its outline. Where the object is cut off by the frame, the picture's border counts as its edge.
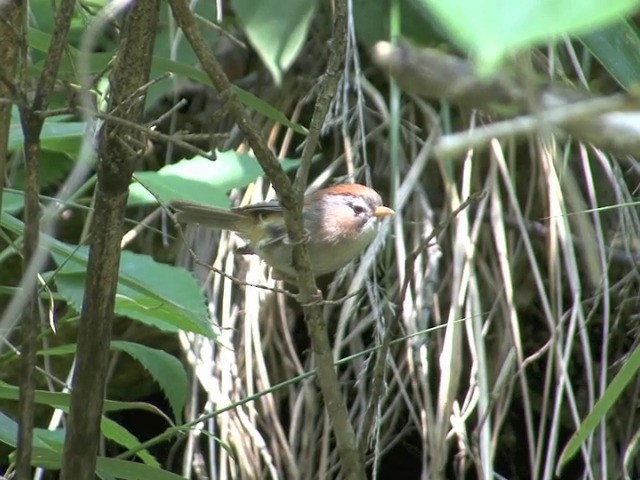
(340, 221)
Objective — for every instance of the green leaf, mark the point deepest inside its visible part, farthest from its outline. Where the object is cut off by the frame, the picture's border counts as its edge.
(12, 200)
(491, 29)
(371, 20)
(277, 31)
(617, 48)
(164, 368)
(627, 373)
(120, 435)
(62, 400)
(111, 467)
(199, 179)
(53, 441)
(163, 296)
(98, 61)
(9, 433)
(55, 136)
(156, 294)
(250, 100)
(52, 169)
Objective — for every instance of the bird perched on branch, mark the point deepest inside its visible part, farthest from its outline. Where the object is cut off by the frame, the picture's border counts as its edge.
(340, 222)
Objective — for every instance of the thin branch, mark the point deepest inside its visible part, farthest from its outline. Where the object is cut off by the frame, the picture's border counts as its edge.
(327, 91)
(309, 296)
(31, 128)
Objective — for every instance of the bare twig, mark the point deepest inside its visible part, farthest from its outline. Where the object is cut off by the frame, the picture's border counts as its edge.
(11, 38)
(327, 90)
(291, 201)
(31, 127)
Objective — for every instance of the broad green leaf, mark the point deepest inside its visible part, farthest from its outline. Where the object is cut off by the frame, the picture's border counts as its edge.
(276, 30)
(62, 400)
(259, 105)
(170, 44)
(160, 65)
(168, 41)
(166, 297)
(12, 200)
(164, 368)
(40, 41)
(52, 169)
(111, 467)
(120, 435)
(53, 441)
(491, 29)
(40, 15)
(199, 179)
(9, 433)
(372, 23)
(617, 48)
(627, 373)
(56, 136)
(157, 294)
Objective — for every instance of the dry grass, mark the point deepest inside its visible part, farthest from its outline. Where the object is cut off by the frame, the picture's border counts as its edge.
(506, 326)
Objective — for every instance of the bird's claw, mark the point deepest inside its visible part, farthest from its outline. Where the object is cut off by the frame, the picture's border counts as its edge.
(305, 239)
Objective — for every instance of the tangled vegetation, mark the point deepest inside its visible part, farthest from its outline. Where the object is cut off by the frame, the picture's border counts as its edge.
(491, 329)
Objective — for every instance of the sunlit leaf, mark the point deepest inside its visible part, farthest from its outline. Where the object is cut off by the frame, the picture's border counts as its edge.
(490, 29)
(277, 31)
(199, 179)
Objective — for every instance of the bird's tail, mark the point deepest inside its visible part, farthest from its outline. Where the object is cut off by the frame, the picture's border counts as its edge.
(191, 212)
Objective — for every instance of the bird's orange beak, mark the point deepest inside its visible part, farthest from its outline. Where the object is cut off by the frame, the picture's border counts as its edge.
(381, 212)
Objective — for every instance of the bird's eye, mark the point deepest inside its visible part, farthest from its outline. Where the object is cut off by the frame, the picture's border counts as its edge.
(358, 209)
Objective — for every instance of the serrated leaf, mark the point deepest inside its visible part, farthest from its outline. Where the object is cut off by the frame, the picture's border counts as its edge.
(199, 179)
(54, 440)
(275, 32)
(164, 368)
(156, 294)
(491, 29)
(166, 297)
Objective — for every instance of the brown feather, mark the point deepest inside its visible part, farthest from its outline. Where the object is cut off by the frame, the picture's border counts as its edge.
(191, 212)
